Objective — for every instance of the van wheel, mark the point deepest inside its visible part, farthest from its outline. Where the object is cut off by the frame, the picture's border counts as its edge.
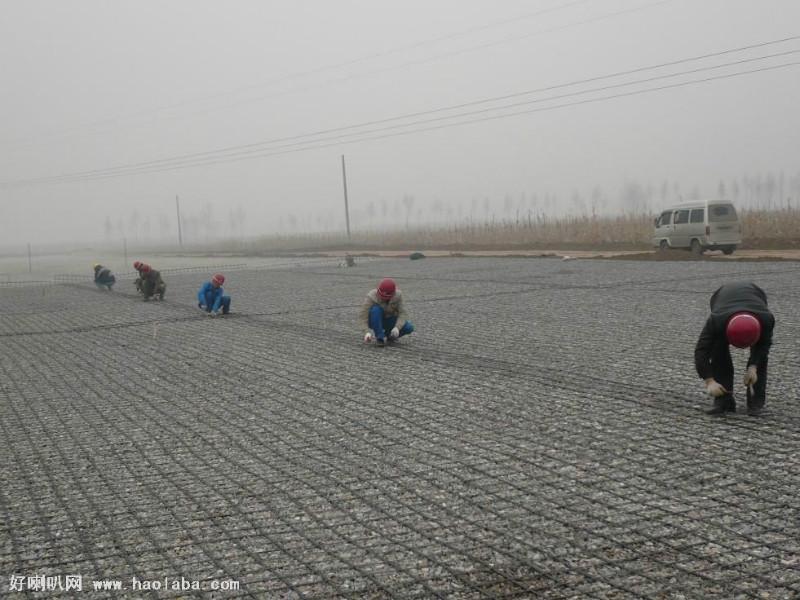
(663, 246)
(696, 248)
(728, 250)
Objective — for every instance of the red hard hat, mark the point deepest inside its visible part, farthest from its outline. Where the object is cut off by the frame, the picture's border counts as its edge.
(218, 278)
(386, 288)
(145, 268)
(743, 330)
(137, 264)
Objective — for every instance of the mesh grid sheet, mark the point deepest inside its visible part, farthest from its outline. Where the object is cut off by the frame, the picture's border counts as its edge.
(541, 435)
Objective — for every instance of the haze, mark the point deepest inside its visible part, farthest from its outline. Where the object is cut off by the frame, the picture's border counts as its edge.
(91, 86)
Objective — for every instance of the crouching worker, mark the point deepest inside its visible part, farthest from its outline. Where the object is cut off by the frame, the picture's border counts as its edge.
(384, 315)
(211, 297)
(151, 285)
(739, 317)
(137, 265)
(103, 278)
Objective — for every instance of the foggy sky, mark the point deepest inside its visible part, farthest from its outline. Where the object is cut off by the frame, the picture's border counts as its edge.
(91, 85)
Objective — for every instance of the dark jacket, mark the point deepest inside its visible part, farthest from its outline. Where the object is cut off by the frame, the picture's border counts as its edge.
(103, 276)
(152, 283)
(728, 300)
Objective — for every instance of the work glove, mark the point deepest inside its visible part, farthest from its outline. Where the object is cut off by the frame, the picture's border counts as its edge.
(368, 337)
(213, 313)
(750, 376)
(394, 333)
(714, 388)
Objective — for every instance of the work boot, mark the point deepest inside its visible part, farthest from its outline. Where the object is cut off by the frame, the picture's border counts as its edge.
(755, 408)
(722, 405)
(380, 343)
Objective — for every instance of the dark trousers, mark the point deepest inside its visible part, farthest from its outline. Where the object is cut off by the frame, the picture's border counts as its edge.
(722, 371)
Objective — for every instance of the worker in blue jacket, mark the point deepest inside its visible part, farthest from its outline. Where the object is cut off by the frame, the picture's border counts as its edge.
(211, 297)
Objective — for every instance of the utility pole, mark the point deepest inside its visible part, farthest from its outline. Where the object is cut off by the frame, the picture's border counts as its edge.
(178, 210)
(30, 265)
(346, 208)
(125, 251)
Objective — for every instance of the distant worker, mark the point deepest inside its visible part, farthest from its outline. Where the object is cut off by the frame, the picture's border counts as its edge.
(137, 265)
(384, 315)
(152, 286)
(211, 297)
(103, 278)
(739, 317)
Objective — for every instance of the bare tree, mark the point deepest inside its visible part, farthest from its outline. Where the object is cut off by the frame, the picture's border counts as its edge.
(408, 202)
(597, 200)
(633, 198)
(135, 219)
(578, 204)
(207, 219)
(164, 226)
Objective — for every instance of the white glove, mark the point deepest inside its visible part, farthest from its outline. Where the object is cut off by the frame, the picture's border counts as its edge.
(395, 333)
(213, 313)
(750, 376)
(368, 337)
(715, 389)
(201, 306)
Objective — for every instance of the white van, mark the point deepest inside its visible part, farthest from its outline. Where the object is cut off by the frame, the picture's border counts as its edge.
(699, 226)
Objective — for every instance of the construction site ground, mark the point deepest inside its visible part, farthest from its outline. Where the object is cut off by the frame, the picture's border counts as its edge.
(541, 435)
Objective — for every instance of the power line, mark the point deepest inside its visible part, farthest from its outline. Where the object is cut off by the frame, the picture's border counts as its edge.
(331, 67)
(458, 52)
(255, 146)
(314, 145)
(342, 136)
(246, 149)
(396, 67)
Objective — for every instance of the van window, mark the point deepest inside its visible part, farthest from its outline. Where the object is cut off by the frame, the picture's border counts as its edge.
(682, 217)
(665, 218)
(697, 215)
(720, 213)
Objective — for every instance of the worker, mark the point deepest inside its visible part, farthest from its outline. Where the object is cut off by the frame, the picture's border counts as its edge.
(152, 286)
(137, 265)
(739, 317)
(384, 315)
(103, 278)
(211, 297)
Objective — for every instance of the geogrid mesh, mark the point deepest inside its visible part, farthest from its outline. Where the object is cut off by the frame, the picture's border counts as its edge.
(539, 436)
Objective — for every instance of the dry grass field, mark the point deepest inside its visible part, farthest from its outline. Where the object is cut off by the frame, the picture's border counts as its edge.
(762, 229)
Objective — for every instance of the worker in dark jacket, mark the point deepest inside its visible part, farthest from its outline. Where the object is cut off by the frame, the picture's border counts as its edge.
(211, 297)
(739, 316)
(103, 278)
(152, 286)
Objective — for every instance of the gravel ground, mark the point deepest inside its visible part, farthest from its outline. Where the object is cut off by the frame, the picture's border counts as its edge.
(541, 435)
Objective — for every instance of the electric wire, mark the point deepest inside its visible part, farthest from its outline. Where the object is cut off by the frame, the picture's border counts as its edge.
(182, 163)
(224, 151)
